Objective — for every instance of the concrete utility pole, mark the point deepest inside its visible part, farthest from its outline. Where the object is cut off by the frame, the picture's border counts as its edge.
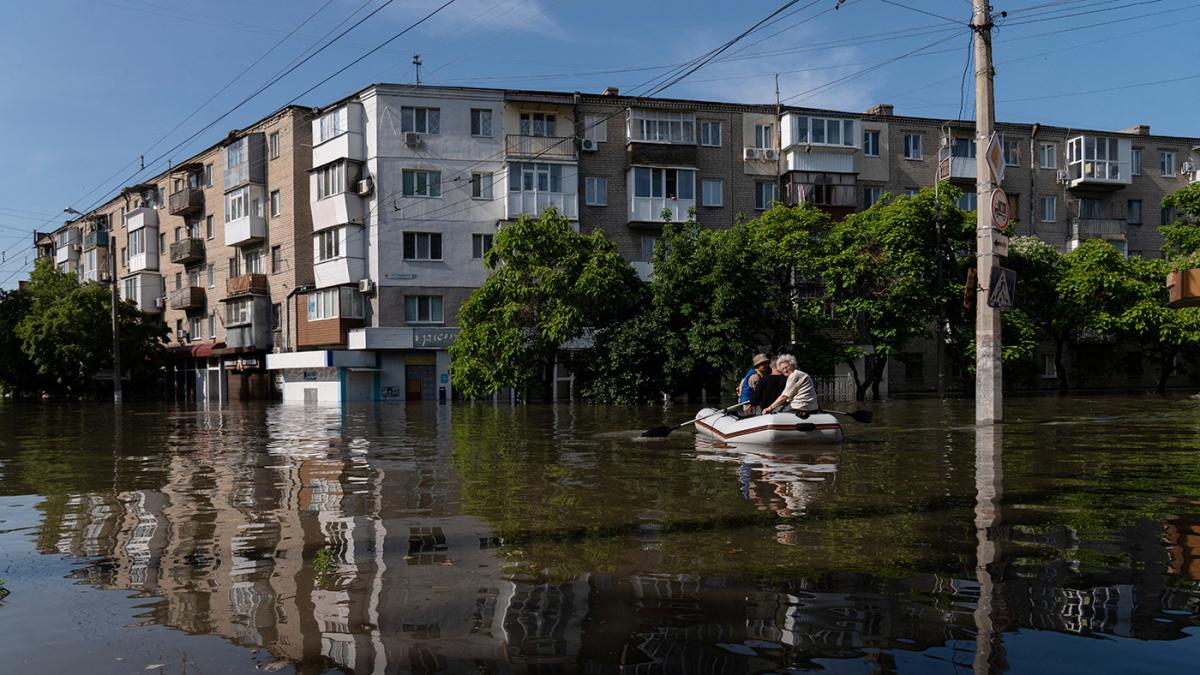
(116, 324)
(989, 397)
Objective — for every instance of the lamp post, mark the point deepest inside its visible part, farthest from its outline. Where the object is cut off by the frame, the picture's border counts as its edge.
(116, 324)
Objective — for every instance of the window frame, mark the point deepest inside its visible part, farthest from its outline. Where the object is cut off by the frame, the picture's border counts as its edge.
(328, 245)
(1053, 154)
(706, 132)
(273, 145)
(416, 301)
(914, 143)
(595, 127)
(411, 245)
(877, 190)
(595, 191)
(1052, 202)
(1166, 164)
(478, 116)
(276, 204)
(482, 183)
(481, 244)
(421, 120)
(873, 144)
(1129, 209)
(410, 183)
(720, 184)
(761, 204)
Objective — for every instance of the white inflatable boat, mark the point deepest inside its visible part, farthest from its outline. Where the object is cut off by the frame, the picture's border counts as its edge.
(820, 427)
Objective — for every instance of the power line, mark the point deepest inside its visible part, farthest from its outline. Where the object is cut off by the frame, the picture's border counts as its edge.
(922, 11)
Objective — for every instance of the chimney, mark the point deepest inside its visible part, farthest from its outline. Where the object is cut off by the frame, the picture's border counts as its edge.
(882, 109)
(610, 91)
(1139, 129)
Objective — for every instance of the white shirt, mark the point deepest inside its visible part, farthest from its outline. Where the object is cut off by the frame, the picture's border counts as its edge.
(800, 391)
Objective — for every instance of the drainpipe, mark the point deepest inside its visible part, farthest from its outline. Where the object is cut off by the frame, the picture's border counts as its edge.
(1032, 178)
(287, 319)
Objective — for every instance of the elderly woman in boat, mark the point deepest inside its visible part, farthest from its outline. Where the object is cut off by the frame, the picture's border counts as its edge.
(799, 395)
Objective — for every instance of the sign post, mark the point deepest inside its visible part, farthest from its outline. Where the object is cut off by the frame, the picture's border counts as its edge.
(989, 172)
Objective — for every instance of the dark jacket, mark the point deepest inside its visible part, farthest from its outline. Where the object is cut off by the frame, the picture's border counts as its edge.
(769, 390)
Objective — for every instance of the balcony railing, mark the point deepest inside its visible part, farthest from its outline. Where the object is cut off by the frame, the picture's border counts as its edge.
(188, 297)
(1098, 228)
(188, 200)
(540, 147)
(92, 240)
(187, 251)
(247, 284)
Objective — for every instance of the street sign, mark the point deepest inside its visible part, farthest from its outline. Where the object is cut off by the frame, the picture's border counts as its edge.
(999, 244)
(999, 209)
(995, 158)
(1000, 291)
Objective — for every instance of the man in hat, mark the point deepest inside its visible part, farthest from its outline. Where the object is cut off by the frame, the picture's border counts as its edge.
(760, 367)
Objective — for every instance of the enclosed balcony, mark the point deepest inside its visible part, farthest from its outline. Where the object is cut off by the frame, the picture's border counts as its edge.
(245, 222)
(93, 240)
(535, 187)
(188, 297)
(140, 217)
(1099, 162)
(187, 251)
(653, 190)
(540, 147)
(247, 284)
(186, 201)
(245, 161)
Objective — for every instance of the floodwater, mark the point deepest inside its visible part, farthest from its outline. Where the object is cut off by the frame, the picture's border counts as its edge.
(479, 538)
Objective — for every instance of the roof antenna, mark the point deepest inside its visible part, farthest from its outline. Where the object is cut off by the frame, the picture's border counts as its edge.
(416, 61)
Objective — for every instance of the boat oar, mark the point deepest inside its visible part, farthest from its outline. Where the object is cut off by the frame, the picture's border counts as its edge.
(661, 432)
(864, 416)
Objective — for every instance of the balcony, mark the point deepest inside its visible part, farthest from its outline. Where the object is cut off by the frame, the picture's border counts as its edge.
(649, 209)
(540, 147)
(186, 201)
(247, 284)
(187, 251)
(956, 164)
(245, 161)
(92, 240)
(533, 202)
(1112, 229)
(140, 217)
(1098, 162)
(188, 297)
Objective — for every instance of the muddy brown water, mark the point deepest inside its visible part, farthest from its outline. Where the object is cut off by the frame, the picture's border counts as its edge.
(479, 538)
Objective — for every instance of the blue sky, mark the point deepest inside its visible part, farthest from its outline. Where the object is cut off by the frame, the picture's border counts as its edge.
(91, 85)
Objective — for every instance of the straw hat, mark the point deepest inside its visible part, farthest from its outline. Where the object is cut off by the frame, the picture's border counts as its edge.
(760, 359)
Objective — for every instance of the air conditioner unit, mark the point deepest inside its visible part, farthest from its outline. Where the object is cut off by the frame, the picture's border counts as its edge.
(412, 139)
(588, 144)
(1063, 176)
(365, 186)
(159, 303)
(752, 153)
(366, 286)
(771, 154)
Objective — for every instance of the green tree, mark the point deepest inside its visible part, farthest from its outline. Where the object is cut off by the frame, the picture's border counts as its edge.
(1040, 271)
(548, 285)
(1162, 333)
(67, 334)
(17, 375)
(1181, 239)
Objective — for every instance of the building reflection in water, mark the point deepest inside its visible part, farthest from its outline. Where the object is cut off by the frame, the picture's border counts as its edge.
(339, 539)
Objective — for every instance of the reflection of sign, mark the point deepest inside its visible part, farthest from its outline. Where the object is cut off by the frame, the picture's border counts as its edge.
(1000, 291)
(999, 244)
(995, 158)
(999, 209)
(433, 338)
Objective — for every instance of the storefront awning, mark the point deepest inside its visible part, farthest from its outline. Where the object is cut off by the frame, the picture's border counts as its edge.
(206, 349)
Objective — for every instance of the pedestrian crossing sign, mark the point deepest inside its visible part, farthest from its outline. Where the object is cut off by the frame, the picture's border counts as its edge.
(1001, 289)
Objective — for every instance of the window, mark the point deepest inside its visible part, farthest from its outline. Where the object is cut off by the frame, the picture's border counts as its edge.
(323, 304)
(274, 144)
(208, 227)
(179, 330)
(648, 244)
(130, 290)
(764, 136)
(178, 280)
(1133, 211)
(238, 311)
(193, 230)
(418, 183)
(235, 204)
(331, 180)
(235, 154)
(764, 194)
(669, 183)
(595, 127)
(328, 244)
(1166, 215)
(871, 143)
(124, 257)
(1049, 209)
(276, 260)
(871, 195)
(968, 201)
(1091, 208)
(527, 177)
(178, 233)
(481, 122)
(710, 192)
(1091, 157)
(276, 205)
(595, 191)
(211, 270)
(333, 123)
(537, 124)
(1049, 369)
(912, 146)
(481, 185)
(1135, 160)
(480, 245)
(423, 309)
(1012, 153)
(160, 197)
(422, 246)
(253, 261)
(137, 242)
(1048, 155)
(208, 176)
(421, 120)
(710, 134)
(658, 126)
(276, 316)
(822, 131)
(195, 328)
(1166, 164)
(235, 267)
(212, 326)
(123, 223)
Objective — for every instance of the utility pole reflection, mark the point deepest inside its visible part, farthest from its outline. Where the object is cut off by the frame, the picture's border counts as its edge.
(989, 477)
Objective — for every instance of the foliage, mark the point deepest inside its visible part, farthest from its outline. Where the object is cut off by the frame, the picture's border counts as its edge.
(1145, 319)
(325, 567)
(18, 376)
(625, 364)
(548, 284)
(1181, 239)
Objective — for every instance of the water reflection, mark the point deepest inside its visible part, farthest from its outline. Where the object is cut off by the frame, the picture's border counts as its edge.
(385, 539)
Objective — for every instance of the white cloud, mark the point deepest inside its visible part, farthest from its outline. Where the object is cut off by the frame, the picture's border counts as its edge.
(472, 17)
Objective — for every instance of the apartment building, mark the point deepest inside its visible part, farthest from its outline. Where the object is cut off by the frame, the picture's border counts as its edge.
(210, 247)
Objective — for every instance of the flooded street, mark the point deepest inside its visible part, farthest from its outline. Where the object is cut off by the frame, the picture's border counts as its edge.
(473, 538)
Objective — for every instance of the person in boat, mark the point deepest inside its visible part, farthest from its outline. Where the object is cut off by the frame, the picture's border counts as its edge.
(751, 382)
(771, 387)
(799, 395)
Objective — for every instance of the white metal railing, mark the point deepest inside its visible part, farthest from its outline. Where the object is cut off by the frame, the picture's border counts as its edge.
(837, 388)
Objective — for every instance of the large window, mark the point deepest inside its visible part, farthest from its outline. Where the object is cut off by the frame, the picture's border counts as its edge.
(1048, 155)
(331, 303)
(333, 123)
(710, 133)
(419, 183)
(528, 177)
(137, 242)
(235, 153)
(968, 201)
(871, 143)
(871, 195)
(238, 311)
(195, 328)
(595, 128)
(422, 246)
(669, 183)
(481, 122)
(423, 309)
(764, 194)
(328, 244)
(253, 261)
(912, 146)
(1166, 164)
(595, 191)
(710, 191)
(1049, 209)
(331, 180)
(481, 186)
(480, 245)
(237, 204)
(1091, 157)
(764, 136)
(1133, 211)
(826, 131)
(537, 124)
(421, 120)
(1012, 153)
(659, 126)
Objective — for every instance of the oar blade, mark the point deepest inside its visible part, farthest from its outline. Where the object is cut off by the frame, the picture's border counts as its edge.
(657, 432)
